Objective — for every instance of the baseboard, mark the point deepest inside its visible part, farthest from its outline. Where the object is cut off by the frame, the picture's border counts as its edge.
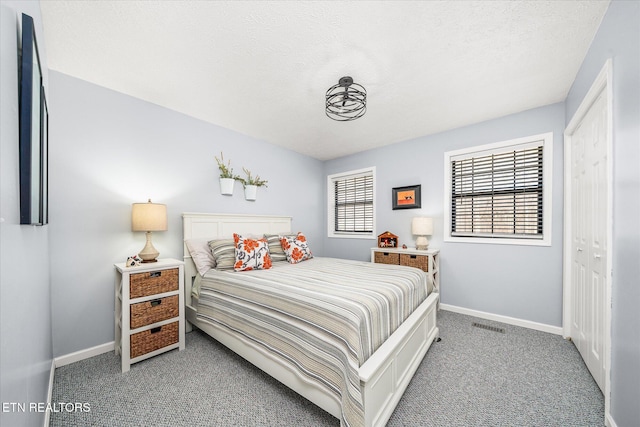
(47, 414)
(557, 330)
(608, 421)
(71, 358)
(84, 354)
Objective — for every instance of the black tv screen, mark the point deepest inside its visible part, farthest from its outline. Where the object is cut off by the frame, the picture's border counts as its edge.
(33, 150)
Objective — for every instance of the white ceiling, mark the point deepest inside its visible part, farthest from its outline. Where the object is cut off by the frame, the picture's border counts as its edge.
(262, 67)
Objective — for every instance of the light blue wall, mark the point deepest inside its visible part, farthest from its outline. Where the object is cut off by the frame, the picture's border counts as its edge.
(109, 150)
(524, 282)
(619, 38)
(25, 296)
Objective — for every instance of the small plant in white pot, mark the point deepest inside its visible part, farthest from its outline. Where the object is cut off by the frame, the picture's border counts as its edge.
(251, 184)
(227, 178)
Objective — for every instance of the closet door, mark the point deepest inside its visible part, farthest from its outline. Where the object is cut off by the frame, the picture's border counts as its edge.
(589, 236)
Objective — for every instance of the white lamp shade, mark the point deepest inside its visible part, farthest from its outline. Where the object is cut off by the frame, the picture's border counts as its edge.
(421, 226)
(148, 217)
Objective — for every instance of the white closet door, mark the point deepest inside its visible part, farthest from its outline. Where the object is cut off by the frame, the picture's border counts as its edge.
(589, 236)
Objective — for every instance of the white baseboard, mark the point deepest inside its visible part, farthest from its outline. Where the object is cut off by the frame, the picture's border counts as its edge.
(52, 371)
(84, 354)
(70, 358)
(557, 330)
(608, 421)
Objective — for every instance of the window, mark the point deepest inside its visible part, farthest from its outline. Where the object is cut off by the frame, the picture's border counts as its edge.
(351, 204)
(500, 193)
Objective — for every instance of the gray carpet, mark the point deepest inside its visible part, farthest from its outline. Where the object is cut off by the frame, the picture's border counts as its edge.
(473, 377)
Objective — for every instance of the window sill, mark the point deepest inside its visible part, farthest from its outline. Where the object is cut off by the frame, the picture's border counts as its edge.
(499, 241)
(370, 236)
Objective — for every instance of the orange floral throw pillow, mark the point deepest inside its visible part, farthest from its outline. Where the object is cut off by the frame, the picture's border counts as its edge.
(296, 248)
(251, 254)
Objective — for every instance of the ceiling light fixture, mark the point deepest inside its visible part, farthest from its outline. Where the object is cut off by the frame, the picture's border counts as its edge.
(346, 101)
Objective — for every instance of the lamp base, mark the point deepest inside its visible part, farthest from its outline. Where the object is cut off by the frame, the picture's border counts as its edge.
(148, 253)
(422, 244)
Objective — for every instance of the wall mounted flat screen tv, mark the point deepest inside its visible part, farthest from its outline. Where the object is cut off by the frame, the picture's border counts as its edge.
(34, 117)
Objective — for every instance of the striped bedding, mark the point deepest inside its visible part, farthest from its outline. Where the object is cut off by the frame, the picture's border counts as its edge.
(323, 317)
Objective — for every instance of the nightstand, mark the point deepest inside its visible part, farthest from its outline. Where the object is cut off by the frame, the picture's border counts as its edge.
(426, 260)
(149, 310)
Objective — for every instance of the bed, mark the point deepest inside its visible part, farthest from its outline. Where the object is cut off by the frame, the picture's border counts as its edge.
(380, 380)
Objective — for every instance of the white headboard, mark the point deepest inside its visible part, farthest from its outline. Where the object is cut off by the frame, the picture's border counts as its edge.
(215, 226)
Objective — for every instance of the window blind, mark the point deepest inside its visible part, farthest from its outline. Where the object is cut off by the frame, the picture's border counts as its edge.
(499, 194)
(353, 204)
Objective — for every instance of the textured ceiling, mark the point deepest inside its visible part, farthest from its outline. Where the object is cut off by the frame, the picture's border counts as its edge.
(262, 67)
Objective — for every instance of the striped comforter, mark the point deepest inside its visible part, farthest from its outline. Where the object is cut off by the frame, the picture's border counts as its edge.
(324, 317)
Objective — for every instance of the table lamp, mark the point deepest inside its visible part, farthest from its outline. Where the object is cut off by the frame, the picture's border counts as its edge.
(148, 217)
(422, 227)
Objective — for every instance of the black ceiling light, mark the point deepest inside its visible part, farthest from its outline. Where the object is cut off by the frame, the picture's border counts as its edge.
(346, 100)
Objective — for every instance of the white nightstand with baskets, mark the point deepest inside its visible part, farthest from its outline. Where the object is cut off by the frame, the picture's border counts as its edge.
(149, 310)
(426, 260)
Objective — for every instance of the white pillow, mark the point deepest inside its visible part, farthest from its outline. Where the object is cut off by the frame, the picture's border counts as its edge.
(201, 254)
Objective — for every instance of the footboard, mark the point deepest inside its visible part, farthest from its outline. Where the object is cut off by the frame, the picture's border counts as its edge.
(387, 373)
(383, 378)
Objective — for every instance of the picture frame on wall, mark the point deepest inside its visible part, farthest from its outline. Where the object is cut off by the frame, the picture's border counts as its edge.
(409, 197)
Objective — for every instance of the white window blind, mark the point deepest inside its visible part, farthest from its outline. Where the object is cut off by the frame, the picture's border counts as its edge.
(498, 194)
(354, 204)
(351, 203)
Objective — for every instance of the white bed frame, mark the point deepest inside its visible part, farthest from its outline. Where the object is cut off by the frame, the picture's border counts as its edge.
(383, 377)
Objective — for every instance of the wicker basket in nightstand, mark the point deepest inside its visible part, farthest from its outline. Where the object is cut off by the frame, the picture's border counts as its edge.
(153, 282)
(153, 339)
(152, 311)
(386, 258)
(418, 261)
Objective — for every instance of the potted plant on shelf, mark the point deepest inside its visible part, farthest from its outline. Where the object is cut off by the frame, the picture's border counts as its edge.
(251, 184)
(227, 178)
